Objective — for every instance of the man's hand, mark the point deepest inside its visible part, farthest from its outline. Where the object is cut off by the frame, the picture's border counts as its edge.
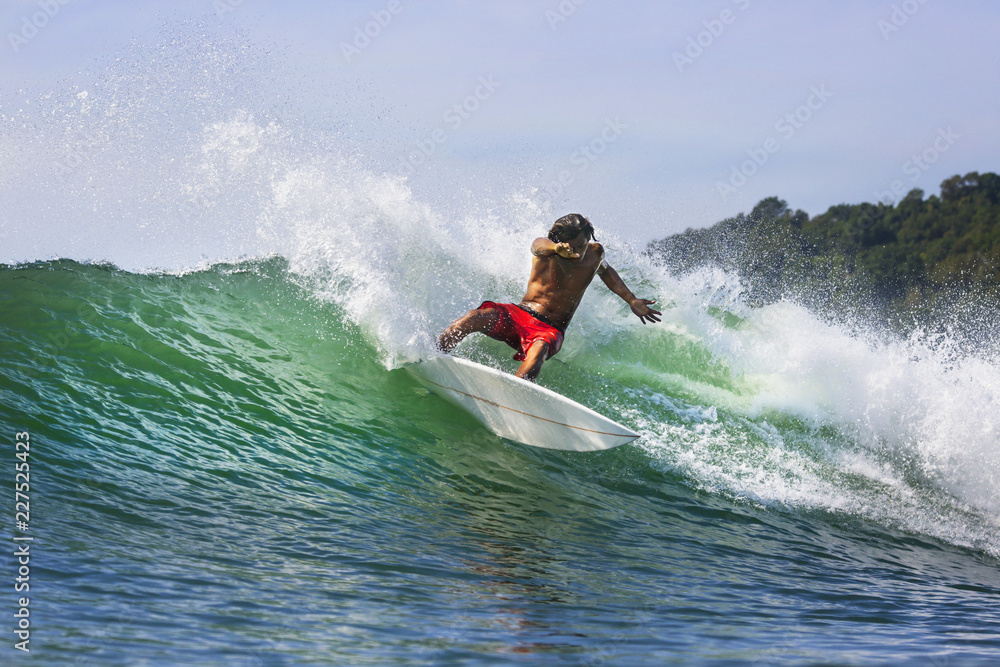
(563, 250)
(641, 307)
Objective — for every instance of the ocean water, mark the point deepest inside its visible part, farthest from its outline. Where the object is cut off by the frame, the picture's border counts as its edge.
(227, 465)
(227, 469)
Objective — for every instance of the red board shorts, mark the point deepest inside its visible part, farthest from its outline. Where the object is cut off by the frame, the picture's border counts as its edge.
(520, 329)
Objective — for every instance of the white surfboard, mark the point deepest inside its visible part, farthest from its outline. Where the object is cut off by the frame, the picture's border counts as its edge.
(517, 409)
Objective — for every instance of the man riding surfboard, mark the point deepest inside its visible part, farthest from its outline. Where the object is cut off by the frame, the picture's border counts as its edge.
(562, 267)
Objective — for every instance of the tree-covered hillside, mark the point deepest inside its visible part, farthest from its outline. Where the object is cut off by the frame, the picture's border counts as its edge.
(898, 257)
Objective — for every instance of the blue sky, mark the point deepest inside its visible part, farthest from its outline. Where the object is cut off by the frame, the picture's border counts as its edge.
(691, 111)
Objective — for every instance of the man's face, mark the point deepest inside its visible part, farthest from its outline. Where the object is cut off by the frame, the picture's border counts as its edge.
(580, 244)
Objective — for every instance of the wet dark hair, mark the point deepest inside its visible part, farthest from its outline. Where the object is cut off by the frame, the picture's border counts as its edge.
(568, 227)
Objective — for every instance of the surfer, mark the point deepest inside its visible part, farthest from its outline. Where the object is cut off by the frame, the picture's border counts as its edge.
(562, 267)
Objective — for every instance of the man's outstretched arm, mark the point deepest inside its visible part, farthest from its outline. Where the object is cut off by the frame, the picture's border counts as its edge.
(641, 307)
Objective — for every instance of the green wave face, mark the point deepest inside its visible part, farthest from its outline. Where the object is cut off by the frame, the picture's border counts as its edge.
(238, 431)
(222, 370)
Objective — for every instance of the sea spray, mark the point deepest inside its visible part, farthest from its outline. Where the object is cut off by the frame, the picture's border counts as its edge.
(902, 431)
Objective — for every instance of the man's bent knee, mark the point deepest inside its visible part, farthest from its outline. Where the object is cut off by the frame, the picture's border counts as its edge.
(539, 349)
(478, 320)
(533, 360)
(481, 319)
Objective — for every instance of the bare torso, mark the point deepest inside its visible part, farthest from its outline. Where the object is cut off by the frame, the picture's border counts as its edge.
(557, 284)
(560, 274)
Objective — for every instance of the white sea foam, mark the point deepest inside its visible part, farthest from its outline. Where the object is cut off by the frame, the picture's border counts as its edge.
(904, 431)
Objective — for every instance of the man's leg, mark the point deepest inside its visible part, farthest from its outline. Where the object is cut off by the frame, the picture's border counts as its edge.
(533, 360)
(479, 320)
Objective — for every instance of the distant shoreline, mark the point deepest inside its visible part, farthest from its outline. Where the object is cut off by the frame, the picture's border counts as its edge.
(901, 260)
